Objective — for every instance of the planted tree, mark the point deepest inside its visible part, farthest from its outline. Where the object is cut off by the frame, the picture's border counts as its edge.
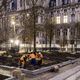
(77, 33)
(4, 21)
(49, 30)
(29, 23)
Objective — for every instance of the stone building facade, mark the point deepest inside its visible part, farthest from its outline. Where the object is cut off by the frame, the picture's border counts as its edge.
(65, 13)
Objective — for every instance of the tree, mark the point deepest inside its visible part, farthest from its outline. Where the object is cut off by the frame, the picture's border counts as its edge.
(29, 23)
(4, 21)
(77, 33)
(49, 30)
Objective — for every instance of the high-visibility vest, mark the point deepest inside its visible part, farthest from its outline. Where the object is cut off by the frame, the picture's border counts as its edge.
(32, 56)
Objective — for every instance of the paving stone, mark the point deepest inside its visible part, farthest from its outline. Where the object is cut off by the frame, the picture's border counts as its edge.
(66, 74)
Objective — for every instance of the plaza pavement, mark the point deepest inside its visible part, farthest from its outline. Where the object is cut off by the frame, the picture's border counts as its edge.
(50, 75)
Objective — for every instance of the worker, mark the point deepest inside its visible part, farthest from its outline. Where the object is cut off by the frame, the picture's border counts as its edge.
(39, 58)
(32, 58)
(23, 61)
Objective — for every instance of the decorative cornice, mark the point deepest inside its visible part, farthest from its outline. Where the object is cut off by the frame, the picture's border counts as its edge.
(65, 6)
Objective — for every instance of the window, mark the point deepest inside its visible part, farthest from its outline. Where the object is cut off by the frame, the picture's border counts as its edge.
(13, 5)
(65, 10)
(21, 3)
(39, 19)
(63, 2)
(72, 17)
(27, 2)
(65, 19)
(73, 9)
(65, 32)
(58, 19)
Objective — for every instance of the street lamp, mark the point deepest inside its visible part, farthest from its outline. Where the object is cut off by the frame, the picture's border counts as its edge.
(27, 14)
(11, 40)
(14, 44)
(13, 24)
(17, 42)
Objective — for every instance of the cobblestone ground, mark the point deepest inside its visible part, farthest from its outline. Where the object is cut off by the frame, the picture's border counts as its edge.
(44, 76)
(48, 75)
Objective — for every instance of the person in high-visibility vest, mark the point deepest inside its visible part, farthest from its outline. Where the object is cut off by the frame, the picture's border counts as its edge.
(39, 58)
(32, 58)
(23, 61)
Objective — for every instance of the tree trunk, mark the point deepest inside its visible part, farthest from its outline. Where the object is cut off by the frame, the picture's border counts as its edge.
(46, 41)
(34, 27)
(50, 40)
(76, 40)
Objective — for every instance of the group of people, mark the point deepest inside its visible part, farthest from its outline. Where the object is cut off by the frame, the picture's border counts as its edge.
(31, 58)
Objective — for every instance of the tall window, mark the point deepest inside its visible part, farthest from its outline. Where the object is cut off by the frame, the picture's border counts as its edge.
(72, 17)
(39, 19)
(65, 19)
(14, 5)
(64, 2)
(27, 2)
(58, 19)
(21, 3)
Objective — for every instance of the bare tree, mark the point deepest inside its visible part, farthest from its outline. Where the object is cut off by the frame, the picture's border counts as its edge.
(77, 33)
(4, 28)
(49, 30)
(29, 22)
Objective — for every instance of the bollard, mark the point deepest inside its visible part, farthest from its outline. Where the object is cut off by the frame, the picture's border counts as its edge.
(17, 74)
(55, 68)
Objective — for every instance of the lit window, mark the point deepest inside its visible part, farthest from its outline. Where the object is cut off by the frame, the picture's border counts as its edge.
(58, 19)
(65, 19)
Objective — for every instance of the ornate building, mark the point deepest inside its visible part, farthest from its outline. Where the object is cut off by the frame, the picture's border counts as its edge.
(65, 13)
